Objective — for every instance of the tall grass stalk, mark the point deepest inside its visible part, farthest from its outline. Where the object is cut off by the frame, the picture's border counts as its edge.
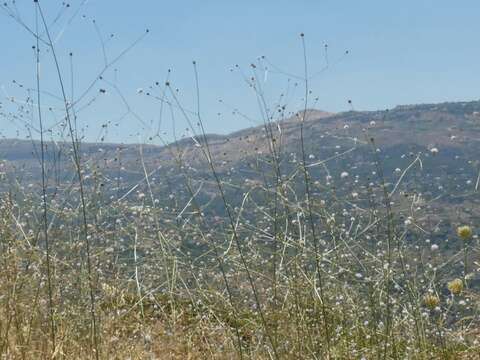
(44, 191)
(76, 156)
(308, 200)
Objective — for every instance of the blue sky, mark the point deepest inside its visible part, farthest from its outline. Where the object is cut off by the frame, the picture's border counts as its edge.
(399, 53)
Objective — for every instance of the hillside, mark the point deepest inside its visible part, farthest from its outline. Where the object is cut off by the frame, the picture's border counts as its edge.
(445, 138)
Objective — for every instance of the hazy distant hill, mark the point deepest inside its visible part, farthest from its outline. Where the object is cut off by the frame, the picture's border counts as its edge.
(449, 126)
(445, 137)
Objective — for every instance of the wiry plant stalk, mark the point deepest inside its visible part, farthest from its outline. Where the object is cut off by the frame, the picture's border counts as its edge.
(77, 161)
(44, 192)
(308, 199)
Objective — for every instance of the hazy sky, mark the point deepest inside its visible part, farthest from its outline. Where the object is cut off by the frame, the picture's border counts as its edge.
(410, 51)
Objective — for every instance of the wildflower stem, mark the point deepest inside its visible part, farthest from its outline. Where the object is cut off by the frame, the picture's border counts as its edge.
(44, 192)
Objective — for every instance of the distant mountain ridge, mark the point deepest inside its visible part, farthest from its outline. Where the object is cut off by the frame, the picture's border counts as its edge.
(452, 128)
(15, 149)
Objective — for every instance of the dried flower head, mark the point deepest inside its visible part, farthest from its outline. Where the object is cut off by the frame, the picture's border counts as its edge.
(464, 232)
(431, 301)
(455, 286)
